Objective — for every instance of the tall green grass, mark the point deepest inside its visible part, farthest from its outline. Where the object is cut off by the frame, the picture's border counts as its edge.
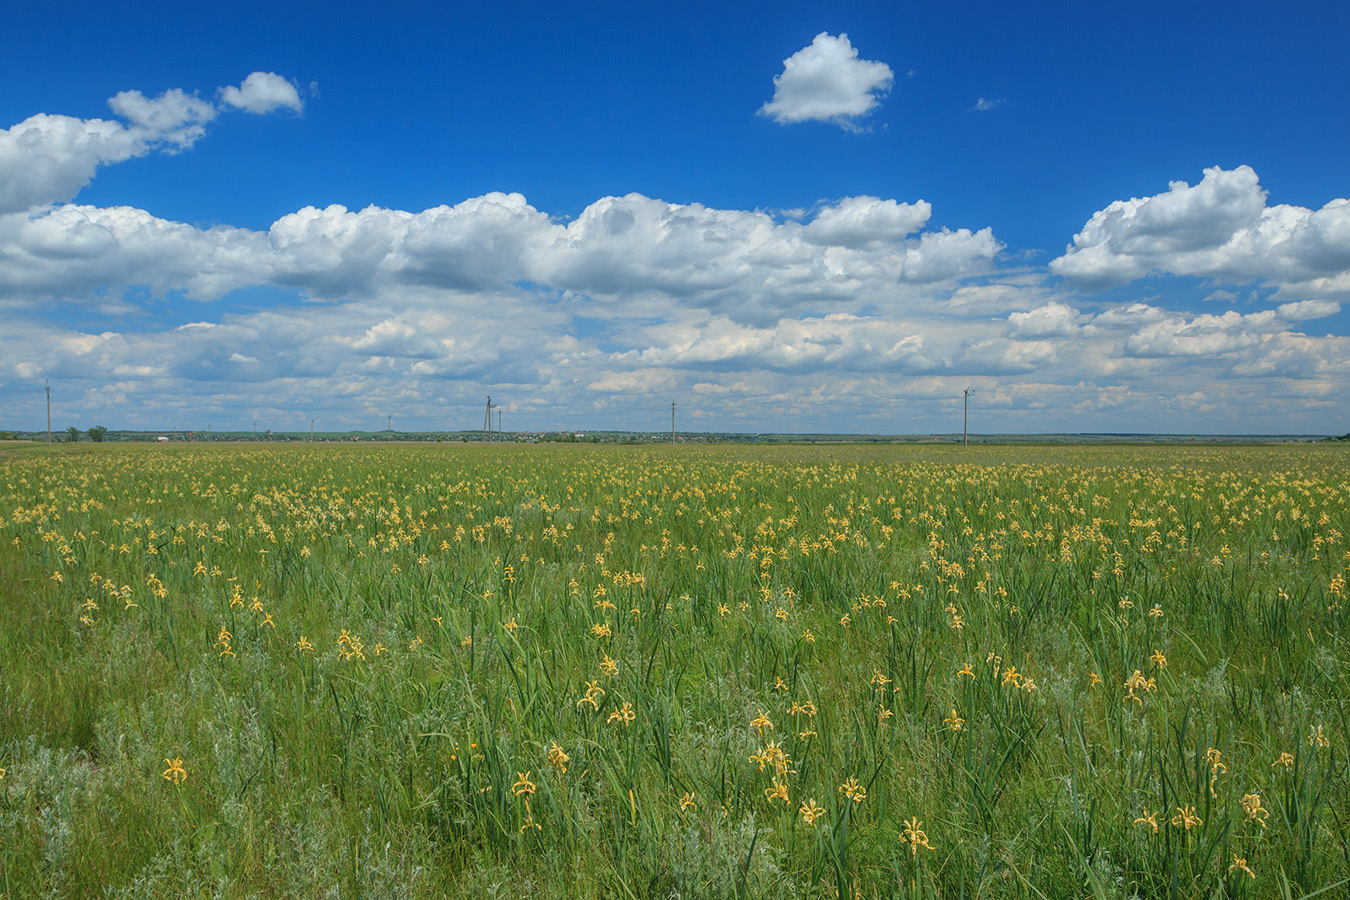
(992, 670)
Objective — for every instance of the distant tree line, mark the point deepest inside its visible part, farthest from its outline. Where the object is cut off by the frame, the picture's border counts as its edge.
(96, 434)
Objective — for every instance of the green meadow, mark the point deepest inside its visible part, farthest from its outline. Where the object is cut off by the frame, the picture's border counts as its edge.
(653, 672)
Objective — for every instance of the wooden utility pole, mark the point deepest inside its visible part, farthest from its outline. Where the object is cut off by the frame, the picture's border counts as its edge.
(311, 430)
(389, 429)
(672, 421)
(49, 413)
(965, 422)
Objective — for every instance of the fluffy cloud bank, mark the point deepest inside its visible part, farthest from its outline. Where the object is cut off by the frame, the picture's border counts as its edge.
(1221, 228)
(632, 252)
(827, 82)
(857, 315)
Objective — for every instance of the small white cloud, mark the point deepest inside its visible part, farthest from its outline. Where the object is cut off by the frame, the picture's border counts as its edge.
(1135, 314)
(261, 93)
(1204, 335)
(173, 117)
(1308, 309)
(983, 104)
(1052, 319)
(827, 82)
(1011, 294)
(945, 254)
(861, 222)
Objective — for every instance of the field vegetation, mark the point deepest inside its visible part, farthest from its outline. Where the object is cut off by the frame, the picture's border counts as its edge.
(574, 671)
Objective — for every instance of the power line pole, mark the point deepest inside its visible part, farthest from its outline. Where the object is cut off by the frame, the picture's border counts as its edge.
(487, 420)
(49, 413)
(965, 422)
(672, 422)
(389, 430)
(311, 430)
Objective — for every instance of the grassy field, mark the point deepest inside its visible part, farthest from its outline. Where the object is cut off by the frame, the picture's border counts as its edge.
(572, 671)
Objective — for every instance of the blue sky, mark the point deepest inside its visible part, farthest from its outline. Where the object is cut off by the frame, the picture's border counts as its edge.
(784, 217)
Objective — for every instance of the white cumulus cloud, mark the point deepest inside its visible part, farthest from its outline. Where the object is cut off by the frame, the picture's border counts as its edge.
(1204, 335)
(1302, 310)
(827, 82)
(261, 93)
(76, 252)
(625, 254)
(943, 255)
(174, 118)
(853, 313)
(1220, 228)
(1053, 318)
(860, 222)
(49, 158)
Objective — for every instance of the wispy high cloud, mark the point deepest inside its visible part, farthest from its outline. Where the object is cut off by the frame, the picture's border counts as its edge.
(827, 82)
